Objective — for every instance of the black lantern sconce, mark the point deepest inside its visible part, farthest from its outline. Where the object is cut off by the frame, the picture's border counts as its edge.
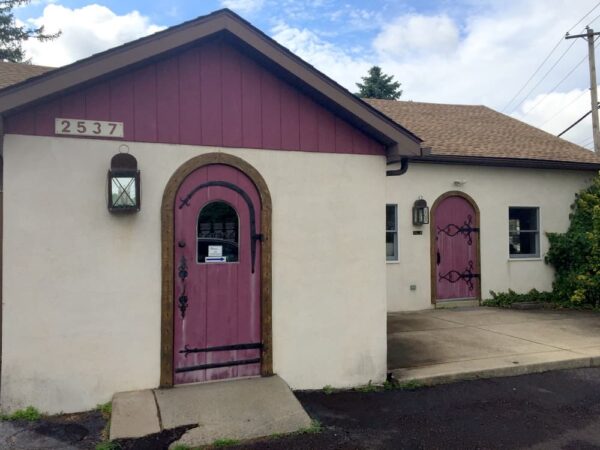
(124, 184)
(420, 212)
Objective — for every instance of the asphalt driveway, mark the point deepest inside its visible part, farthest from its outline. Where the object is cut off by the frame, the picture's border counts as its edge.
(451, 344)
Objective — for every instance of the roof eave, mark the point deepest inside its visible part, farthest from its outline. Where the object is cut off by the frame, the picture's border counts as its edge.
(398, 140)
(502, 162)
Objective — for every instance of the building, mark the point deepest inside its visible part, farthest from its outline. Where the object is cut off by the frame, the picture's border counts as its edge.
(239, 231)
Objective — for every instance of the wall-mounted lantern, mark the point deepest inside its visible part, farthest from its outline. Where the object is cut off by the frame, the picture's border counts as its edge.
(124, 184)
(420, 212)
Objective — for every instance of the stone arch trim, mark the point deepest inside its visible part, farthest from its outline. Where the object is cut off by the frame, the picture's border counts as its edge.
(432, 234)
(167, 239)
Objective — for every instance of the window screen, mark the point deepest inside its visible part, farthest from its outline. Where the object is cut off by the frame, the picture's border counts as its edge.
(523, 232)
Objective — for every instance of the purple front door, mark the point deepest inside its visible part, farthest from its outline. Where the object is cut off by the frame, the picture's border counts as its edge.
(456, 249)
(217, 317)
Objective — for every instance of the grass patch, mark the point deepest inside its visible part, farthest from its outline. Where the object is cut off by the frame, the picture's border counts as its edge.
(314, 428)
(219, 443)
(108, 445)
(409, 385)
(105, 409)
(328, 389)
(369, 387)
(182, 447)
(30, 414)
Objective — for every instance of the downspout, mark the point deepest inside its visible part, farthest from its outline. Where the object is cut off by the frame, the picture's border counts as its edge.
(397, 172)
(425, 151)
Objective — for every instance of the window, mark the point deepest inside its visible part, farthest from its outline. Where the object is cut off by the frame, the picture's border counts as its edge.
(218, 232)
(523, 232)
(391, 232)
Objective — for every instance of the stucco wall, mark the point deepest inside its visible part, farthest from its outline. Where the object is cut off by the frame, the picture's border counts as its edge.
(494, 190)
(81, 313)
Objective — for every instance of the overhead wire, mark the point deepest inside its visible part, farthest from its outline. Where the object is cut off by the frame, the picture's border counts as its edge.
(544, 62)
(564, 108)
(546, 96)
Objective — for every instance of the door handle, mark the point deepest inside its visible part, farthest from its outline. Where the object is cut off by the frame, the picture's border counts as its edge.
(439, 258)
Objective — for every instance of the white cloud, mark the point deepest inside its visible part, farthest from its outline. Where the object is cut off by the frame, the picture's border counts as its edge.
(557, 111)
(417, 34)
(243, 6)
(87, 30)
(483, 59)
(326, 57)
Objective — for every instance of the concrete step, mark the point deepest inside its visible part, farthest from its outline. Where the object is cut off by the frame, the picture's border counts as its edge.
(233, 409)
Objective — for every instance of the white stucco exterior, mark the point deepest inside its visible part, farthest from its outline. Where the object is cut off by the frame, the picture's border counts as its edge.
(494, 189)
(82, 287)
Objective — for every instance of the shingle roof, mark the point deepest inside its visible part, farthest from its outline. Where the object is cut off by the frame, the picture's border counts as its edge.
(12, 73)
(478, 131)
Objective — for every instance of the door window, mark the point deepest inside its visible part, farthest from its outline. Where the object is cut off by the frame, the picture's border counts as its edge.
(218, 233)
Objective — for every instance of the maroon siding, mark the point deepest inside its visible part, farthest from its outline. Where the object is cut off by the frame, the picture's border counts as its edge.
(207, 95)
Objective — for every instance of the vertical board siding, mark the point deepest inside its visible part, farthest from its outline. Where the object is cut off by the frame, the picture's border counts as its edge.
(231, 97)
(209, 95)
(144, 104)
(121, 104)
(167, 100)
(97, 101)
(189, 95)
(211, 116)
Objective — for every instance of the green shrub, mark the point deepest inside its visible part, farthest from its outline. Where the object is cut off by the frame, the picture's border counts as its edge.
(508, 298)
(575, 255)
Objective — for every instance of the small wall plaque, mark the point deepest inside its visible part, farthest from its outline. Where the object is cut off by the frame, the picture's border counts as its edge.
(97, 128)
(417, 232)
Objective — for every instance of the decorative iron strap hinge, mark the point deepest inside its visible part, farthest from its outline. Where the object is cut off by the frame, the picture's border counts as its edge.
(242, 362)
(223, 348)
(466, 229)
(467, 275)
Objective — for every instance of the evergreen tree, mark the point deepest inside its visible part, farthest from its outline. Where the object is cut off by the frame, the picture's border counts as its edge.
(12, 35)
(379, 85)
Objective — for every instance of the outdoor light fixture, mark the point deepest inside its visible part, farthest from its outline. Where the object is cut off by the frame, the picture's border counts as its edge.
(420, 212)
(123, 183)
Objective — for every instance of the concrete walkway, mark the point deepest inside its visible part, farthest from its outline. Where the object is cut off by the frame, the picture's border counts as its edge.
(234, 409)
(444, 345)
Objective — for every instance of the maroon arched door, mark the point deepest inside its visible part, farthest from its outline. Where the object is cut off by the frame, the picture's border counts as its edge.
(455, 240)
(217, 308)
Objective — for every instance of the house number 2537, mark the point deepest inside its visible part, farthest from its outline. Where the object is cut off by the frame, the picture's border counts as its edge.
(97, 128)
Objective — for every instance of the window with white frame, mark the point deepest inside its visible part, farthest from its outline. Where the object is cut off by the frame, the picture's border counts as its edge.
(524, 232)
(391, 232)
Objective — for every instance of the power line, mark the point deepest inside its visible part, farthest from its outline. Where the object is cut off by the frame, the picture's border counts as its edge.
(543, 99)
(563, 108)
(544, 62)
(575, 123)
(541, 79)
(588, 13)
(586, 142)
(534, 74)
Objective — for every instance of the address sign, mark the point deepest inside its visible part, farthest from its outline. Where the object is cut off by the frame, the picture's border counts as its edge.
(98, 128)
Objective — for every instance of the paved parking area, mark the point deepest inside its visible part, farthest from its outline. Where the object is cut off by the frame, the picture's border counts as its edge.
(448, 344)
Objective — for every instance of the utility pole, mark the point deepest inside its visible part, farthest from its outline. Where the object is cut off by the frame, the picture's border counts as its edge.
(589, 36)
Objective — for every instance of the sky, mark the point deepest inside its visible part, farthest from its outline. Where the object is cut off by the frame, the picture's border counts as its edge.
(483, 52)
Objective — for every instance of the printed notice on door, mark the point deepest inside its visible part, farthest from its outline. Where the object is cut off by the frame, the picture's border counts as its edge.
(215, 250)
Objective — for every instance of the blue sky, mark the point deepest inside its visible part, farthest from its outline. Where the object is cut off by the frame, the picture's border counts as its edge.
(461, 51)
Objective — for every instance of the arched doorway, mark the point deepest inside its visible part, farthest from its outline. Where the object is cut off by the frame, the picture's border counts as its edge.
(455, 260)
(216, 258)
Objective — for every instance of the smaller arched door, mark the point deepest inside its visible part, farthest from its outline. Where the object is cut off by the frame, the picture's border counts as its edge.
(455, 242)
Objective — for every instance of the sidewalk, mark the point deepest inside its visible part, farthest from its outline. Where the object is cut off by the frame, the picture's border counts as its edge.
(439, 346)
